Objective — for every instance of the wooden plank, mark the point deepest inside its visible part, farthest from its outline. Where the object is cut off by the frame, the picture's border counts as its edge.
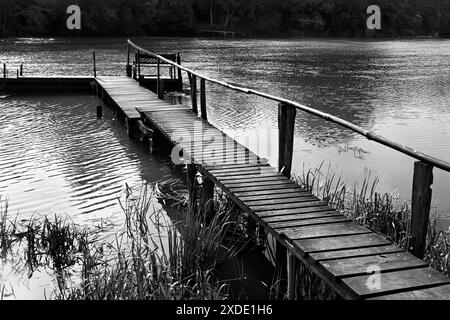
(397, 281)
(240, 185)
(308, 222)
(259, 175)
(255, 170)
(294, 211)
(274, 194)
(342, 242)
(283, 206)
(436, 293)
(321, 231)
(277, 200)
(301, 216)
(255, 179)
(346, 267)
(353, 253)
(213, 169)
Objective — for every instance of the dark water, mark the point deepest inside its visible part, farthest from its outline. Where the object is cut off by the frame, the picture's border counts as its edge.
(399, 89)
(57, 157)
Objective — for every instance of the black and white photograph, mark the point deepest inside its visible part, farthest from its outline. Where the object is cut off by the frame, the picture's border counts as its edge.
(228, 156)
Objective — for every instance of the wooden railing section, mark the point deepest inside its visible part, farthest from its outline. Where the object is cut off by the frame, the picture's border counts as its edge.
(423, 168)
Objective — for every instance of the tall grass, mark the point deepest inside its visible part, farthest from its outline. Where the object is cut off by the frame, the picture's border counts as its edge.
(150, 258)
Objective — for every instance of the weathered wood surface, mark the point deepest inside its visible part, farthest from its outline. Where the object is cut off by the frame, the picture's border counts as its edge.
(339, 250)
(128, 95)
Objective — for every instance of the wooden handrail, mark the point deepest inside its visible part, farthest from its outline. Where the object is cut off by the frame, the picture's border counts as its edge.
(438, 163)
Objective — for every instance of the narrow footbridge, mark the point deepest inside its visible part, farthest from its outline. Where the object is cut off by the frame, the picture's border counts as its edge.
(306, 230)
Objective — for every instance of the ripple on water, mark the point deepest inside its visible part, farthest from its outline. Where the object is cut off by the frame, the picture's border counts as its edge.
(57, 157)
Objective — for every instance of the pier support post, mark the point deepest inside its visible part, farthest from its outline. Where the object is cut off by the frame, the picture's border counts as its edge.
(95, 64)
(203, 99)
(193, 80)
(180, 78)
(99, 112)
(281, 267)
(128, 62)
(192, 183)
(208, 198)
(286, 126)
(420, 207)
(291, 276)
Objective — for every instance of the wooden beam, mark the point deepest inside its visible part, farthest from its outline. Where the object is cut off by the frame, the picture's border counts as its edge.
(208, 198)
(128, 62)
(420, 207)
(291, 275)
(281, 267)
(180, 78)
(95, 66)
(286, 127)
(191, 182)
(194, 93)
(158, 79)
(203, 99)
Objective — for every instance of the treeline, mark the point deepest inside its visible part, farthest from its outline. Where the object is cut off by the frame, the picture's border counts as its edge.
(247, 17)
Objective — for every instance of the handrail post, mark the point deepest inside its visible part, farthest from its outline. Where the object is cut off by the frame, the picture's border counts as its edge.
(4, 70)
(203, 99)
(158, 79)
(194, 93)
(128, 62)
(95, 67)
(420, 207)
(286, 126)
(138, 61)
(21, 70)
(180, 78)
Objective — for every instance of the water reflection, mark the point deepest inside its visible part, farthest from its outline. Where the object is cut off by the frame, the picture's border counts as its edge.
(57, 157)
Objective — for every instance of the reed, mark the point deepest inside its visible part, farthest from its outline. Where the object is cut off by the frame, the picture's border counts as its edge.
(175, 261)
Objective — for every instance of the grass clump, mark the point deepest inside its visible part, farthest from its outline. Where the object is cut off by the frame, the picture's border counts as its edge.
(150, 258)
(159, 264)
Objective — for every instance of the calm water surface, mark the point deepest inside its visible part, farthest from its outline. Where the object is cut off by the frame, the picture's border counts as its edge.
(399, 89)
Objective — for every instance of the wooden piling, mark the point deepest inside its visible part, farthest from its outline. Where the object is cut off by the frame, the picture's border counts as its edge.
(4, 70)
(194, 93)
(286, 127)
(161, 89)
(281, 267)
(208, 198)
(158, 78)
(291, 275)
(191, 179)
(99, 111)
(21, 70)
(138, 57)
(420, 207)
(95, 66)
(203, 99)
(180, 78)
(128, 62)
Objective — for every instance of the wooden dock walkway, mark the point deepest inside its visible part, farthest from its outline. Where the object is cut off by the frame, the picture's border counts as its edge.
(343, 253)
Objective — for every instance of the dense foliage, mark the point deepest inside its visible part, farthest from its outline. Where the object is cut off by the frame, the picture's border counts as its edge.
(247, 17)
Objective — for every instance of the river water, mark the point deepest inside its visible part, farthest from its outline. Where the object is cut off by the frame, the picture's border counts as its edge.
(399, 89)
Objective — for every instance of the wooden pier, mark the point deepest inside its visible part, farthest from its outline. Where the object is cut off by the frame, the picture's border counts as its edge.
(356, 262)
